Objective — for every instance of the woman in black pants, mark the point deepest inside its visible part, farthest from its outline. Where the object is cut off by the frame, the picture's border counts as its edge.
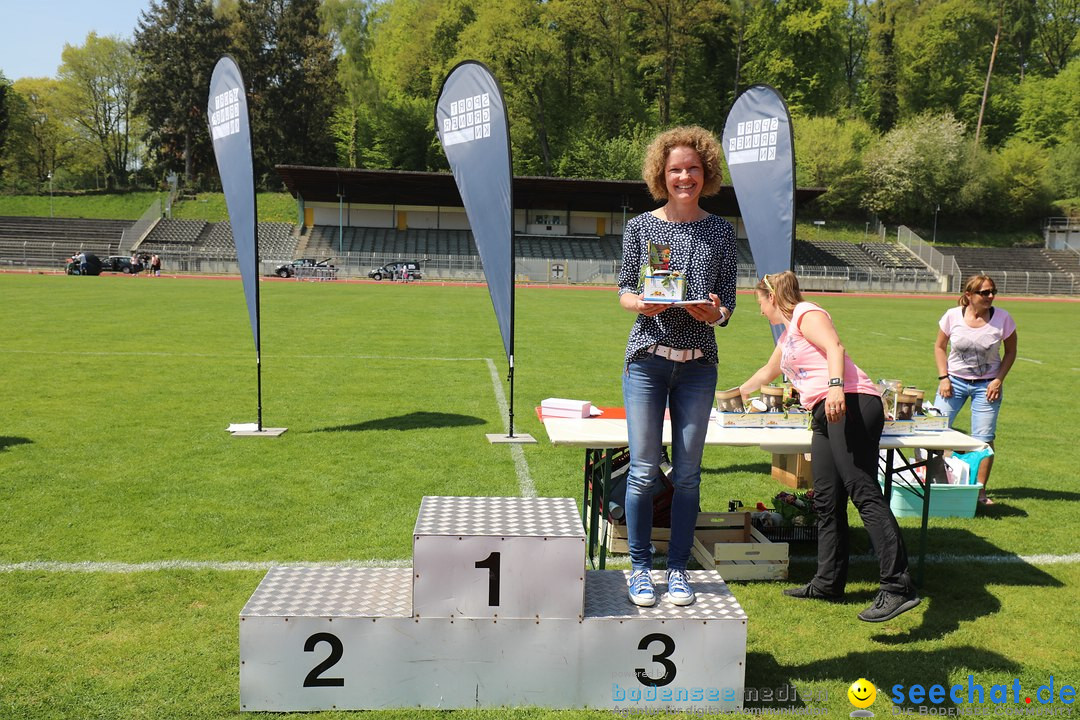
(847, 420)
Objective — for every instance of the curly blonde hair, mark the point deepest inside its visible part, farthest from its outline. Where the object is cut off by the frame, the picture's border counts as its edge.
(694, 137)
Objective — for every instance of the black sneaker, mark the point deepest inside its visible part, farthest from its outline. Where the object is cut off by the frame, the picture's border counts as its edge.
(810, 591)
(888, 605)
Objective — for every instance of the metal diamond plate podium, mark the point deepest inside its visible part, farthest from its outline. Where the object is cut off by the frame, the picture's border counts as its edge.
(352, 638)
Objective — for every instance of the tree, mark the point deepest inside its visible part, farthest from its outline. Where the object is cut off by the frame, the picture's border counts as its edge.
(291, 78)
(41, 141)
(6, 94)
(915, 167)
(883, 103)
(177, 43)
(828, 154)
(1058, 35)
(97, 84)
(668, 31)
(796, 47)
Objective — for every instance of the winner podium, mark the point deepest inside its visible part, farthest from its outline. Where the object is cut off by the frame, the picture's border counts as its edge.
(498, 610)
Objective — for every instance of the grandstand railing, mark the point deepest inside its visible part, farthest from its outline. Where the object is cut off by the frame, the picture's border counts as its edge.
(134, 235)
(946, 267)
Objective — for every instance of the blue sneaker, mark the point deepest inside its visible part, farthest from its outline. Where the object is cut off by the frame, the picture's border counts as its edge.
(641, 589)
(679, 591)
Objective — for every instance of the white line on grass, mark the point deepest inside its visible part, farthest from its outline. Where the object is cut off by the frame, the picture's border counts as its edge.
(525, 482)
(1037, 362)
(395, 358)
(49, 566)
(901, 337)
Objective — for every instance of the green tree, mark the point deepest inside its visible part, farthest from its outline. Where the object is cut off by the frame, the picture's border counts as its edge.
(1049, 111)
(6, 94)
(881, 103)
(828, 154)
(41, 141)
(97, 84)
(943, 55)
(1058, 36)
(291, 79)
(915, 167)
(177, 43)
(796, 47)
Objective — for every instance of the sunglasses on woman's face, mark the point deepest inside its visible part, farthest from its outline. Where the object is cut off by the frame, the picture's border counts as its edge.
(986, 293)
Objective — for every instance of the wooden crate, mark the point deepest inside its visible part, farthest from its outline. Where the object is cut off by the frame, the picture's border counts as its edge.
(710, 527)
(793, 470)
(757, 559)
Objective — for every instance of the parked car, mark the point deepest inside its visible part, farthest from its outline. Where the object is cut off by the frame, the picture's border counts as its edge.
(405, 270)
(120, 264)
(289, 269)
(93, 265)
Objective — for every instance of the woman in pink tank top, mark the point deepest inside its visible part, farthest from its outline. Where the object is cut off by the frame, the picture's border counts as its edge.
(847, 419)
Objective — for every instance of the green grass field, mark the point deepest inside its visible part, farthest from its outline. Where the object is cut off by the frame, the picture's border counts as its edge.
(113, 452)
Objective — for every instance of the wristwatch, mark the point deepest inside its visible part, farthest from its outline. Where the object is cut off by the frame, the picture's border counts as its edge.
(836, 382)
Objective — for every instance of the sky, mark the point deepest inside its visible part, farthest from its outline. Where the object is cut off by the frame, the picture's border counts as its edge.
(35, 31)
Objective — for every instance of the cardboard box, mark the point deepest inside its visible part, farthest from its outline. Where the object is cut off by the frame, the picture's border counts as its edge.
(740, 419)
(786, 420)
(945, 500)
(561, 407)
(794, 470)
(920, 423)
(664, 288)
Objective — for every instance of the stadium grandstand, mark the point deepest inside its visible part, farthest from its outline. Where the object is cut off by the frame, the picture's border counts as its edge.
(565, 231)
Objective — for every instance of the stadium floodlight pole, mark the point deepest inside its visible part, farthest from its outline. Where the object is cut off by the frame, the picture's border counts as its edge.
(50, 196)
(936, 210)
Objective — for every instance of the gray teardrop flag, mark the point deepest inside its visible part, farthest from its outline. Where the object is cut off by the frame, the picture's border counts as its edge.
(230, 131)
(470, 119)
(760, 155)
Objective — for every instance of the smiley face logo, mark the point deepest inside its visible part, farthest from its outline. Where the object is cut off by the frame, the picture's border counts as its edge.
(862, 693)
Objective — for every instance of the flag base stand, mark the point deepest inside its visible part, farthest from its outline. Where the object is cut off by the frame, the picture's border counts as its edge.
(522, 439)
(265, 432)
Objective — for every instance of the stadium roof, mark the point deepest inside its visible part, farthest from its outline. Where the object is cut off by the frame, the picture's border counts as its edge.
(403, 187)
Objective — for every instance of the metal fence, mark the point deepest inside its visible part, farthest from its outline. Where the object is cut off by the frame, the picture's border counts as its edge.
(945, 266)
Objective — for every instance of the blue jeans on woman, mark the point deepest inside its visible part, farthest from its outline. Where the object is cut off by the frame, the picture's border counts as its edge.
(984, 414)
(650, 386)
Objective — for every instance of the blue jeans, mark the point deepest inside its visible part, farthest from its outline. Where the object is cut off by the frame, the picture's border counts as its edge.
(650, 386)
(984, 414)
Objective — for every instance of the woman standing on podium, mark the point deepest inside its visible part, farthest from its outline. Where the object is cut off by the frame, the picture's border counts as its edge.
(847, 421)
(671, 355)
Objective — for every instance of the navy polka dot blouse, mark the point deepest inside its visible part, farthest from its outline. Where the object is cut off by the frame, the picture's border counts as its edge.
(704, 250)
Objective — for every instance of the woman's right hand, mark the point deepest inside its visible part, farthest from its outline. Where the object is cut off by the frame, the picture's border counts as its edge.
(944, 388)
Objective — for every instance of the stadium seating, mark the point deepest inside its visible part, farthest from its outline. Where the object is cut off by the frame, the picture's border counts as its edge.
(49, 241)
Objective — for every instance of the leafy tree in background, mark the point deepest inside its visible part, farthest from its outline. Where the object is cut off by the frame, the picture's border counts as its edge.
(41, 142)
(829, 155)
(291, 78)
(882, 104)
(97, 88)
(6, 96)
(915, 167)
(796, 47)
(1058, 36)
(177, 43)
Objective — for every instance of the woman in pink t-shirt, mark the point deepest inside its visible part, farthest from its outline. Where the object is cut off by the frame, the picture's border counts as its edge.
(847, 421)
(971, 364)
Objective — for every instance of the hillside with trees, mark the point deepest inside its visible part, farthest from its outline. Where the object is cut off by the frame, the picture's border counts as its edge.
(965, 108)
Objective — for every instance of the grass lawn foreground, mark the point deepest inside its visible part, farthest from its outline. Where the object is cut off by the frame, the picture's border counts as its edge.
(113, 453)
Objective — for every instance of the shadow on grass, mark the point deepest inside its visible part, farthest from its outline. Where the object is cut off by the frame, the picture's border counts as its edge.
(903, 667)
(410, 421)
(8, 441)
(1026, 493)
(762, 468)
(954, 591)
